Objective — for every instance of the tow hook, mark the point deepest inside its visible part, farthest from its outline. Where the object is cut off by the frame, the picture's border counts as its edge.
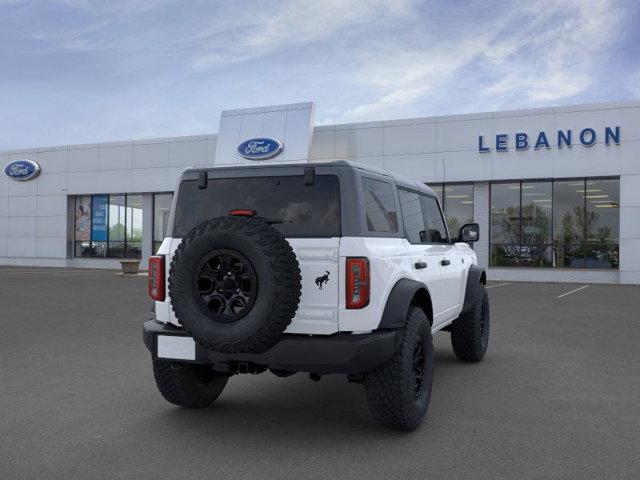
(315, 377)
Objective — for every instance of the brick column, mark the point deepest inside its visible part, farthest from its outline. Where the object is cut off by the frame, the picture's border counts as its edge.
(481, 215)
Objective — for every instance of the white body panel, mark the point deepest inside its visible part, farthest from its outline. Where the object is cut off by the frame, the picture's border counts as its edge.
(322, 311)
(318, 308)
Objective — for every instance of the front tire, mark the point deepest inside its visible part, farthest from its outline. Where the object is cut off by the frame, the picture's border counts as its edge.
(188, 384)
(470, 331)
(399, 391)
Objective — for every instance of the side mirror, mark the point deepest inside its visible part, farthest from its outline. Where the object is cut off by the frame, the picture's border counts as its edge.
(469, 233)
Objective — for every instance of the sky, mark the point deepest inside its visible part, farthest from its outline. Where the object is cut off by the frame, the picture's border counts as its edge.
(80, 71)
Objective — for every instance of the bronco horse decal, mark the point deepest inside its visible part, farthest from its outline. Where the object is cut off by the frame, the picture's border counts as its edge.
(322, 279)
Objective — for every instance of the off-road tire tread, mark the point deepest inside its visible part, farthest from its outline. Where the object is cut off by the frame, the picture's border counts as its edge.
(389, 396)
(465, 330)
(287, 279)
(182, 387)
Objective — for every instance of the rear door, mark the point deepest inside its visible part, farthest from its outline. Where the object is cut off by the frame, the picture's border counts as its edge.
(448, 260)
(425, 258)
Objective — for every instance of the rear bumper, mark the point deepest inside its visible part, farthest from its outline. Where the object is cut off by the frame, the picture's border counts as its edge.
(339, 353)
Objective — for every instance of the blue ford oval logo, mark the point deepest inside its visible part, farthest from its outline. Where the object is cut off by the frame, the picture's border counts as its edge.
(260, 148)
(22, 170)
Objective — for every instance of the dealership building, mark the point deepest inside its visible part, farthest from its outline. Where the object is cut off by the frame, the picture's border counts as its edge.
(556, 190)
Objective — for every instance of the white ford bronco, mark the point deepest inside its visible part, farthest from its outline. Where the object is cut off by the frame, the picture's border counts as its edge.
(318, 268)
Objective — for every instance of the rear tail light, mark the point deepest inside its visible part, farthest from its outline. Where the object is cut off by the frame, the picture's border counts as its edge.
(242, 213)
(156, 278)
(358, 282)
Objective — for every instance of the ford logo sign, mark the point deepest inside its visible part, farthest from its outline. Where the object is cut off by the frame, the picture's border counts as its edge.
(260, 148)
(22, 170)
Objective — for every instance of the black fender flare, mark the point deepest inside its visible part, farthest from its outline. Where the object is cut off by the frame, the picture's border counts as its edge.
(476, 276)
(400, 299)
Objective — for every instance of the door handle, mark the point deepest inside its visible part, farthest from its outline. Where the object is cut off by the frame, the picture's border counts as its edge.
(420, 265)
(444, 262)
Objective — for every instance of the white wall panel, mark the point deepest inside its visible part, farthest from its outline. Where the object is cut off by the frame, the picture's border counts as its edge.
(251, 126)
(228, 140)
(83, 159)
(4, 226)
(22, 227)
(630, 157)
(52, 226)
(51, 247)
(419, 166)
(463, 135)
(581, 161)
(630, 124)
(630, 191)
(629, 222)
(22, 206)
(84, 182)
(22, 189)
(21, 246)
(528, 163)
(52, 183)
(51, 205)
(3, 248)
(188, 154)
(4, 183)
(149, 180)
(359, 142)
(151, 155)
(297, 135)
(463, 166)
(420, 138)
(118, 157)
(211, 150)
(596, 119)
(630, 250)
(52, 161)
(322, 145)
(115, 181)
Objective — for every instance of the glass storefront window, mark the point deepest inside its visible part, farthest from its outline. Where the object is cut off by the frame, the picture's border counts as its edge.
(457, 204)
(82, 226)
(134, 226)
(117, 219)
(536, 200)
(603, 223)
(505, 224)
(564, 224)
(161, 209)
(108, 226)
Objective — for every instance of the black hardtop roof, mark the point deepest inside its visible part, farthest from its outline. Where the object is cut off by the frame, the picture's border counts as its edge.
(400, 180)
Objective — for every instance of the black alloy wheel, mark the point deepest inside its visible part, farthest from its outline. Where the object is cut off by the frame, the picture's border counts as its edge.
(418, 368)
(225, 285)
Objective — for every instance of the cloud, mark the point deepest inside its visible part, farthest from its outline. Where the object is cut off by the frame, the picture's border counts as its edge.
(109, 70)
(552, 60)
(255, 33)
(541, 53)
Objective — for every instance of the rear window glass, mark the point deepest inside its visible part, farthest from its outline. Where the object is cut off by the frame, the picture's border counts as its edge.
(299, 210)
(379, 206)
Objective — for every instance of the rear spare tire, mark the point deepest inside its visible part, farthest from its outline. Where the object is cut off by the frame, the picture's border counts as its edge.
(234, 284)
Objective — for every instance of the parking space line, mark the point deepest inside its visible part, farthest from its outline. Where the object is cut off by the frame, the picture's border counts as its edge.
(498, 285)
(573, 291)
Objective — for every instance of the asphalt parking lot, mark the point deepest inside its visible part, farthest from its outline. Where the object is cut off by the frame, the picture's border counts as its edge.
(558, 395)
